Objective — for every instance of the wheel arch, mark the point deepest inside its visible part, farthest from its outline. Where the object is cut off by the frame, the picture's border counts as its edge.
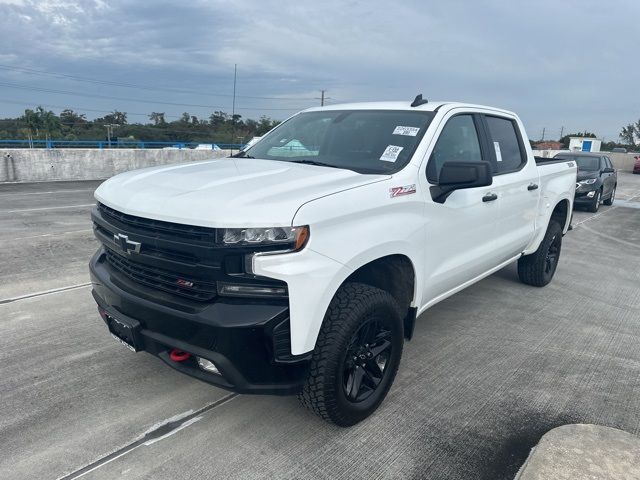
(395, 274)
(561, 213)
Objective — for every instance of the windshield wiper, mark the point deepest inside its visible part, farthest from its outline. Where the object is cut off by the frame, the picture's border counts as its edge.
(314, 162)
(241, 155)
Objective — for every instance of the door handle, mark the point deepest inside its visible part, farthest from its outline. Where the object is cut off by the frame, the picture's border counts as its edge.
(489, 197)
(532, 186)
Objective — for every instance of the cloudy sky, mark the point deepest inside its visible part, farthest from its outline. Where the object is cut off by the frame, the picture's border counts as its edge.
(557, 63)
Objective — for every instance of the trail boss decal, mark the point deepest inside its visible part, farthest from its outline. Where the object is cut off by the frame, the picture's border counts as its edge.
(405, 190)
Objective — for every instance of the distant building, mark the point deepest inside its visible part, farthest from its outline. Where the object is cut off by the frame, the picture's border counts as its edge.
(548, 146)
(584, 144)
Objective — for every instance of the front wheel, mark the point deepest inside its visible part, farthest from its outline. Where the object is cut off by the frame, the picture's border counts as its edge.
(538, 268)
(609, 201)
(595, 204)
(356, 356)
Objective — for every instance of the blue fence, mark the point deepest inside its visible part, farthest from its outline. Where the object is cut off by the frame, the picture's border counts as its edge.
(115, 144)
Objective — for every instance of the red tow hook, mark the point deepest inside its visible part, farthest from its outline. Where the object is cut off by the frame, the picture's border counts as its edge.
(179, 355)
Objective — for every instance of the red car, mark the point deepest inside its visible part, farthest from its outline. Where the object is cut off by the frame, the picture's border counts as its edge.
(636, 166)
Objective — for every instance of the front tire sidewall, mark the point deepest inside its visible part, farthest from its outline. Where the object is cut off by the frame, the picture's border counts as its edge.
(323, 391)
(596, 202)
(610, 200)
(360, 410)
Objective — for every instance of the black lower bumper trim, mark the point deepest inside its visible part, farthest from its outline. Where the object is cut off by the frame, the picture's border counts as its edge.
(235, 335)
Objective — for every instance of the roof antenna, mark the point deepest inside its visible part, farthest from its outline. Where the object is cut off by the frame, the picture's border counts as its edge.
(419, 101)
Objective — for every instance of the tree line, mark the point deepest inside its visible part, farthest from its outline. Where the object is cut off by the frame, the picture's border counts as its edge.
(630, 134)
(219, 127)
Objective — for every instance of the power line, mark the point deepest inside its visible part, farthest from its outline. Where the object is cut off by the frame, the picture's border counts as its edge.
(90, 123)
(125, 99)
(97, 81)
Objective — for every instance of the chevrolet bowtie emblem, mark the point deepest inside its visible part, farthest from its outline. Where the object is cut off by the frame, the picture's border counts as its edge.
(127, 246)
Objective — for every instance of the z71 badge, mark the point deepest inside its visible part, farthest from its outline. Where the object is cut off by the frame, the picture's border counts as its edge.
(404, 190)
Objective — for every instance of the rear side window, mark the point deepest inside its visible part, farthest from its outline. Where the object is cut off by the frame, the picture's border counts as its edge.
(504, 140)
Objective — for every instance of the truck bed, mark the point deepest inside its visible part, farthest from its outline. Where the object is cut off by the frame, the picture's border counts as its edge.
(547, 160)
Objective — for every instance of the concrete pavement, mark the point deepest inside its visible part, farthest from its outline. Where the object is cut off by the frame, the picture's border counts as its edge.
(489, 371)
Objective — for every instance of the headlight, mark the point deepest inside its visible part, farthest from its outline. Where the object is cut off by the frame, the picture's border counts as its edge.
(589, 181)
(294, 238)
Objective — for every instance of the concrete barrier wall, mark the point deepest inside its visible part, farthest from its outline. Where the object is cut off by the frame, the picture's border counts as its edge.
(39, 165)
(621, 161)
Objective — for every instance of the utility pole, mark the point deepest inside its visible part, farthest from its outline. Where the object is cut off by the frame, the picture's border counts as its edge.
(561, 131)
(109, 128)
(233, 108)
(543, 130)
(323, 97)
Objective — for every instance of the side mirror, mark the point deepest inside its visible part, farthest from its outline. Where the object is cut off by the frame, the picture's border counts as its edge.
(608, 170)
(460, 175)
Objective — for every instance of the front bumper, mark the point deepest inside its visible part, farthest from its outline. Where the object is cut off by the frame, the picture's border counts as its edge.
(244, 338)
(585, 193)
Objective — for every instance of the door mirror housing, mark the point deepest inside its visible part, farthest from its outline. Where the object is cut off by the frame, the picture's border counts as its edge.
(460, 175)
(608, 170)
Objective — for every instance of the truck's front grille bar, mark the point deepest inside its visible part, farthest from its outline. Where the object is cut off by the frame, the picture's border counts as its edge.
(161, 279)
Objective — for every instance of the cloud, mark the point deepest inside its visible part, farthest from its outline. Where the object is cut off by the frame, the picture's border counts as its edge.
(558, 64)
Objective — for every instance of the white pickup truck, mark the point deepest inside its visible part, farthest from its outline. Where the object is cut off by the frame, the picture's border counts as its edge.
(300, 265)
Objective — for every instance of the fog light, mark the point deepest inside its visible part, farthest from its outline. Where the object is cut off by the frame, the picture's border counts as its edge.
(591, 194)
(208, 366)
(239, 290)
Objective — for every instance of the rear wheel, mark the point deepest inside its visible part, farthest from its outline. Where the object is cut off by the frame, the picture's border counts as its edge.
(609, 201)
(595, 204)
(356, 356)
(538, 268)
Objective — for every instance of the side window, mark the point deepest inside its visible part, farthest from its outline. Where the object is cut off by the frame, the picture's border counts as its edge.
(603, 163)
(458, 142)
(504, 139)
(607, 162)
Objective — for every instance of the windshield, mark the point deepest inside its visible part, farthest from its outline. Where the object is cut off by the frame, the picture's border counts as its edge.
(366, 141)
(585, 163)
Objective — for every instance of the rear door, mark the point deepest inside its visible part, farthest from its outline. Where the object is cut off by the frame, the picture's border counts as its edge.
(515, 181)
(608, 179)
(461, 231)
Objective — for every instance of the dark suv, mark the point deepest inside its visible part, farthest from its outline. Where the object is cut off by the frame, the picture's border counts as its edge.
(597, 179)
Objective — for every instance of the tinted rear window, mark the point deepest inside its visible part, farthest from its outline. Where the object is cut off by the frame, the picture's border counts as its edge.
(504, 140)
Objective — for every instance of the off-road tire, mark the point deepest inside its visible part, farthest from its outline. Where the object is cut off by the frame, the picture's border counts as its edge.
(533, 269)
(352, 306)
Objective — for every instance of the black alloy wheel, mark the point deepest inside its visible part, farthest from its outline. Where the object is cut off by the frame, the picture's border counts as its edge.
(367, 357)
(553, 255)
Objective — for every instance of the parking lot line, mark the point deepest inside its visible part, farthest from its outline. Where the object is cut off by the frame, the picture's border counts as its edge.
(49, 208)
(13, 194)
(54, 234)
(45, 292)
(160, 432)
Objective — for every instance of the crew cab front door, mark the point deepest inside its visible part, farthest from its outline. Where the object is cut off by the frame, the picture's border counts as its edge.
(461, 231)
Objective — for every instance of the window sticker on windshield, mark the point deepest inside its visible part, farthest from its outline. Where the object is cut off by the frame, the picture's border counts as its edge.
(391, 153)
(408, 131)
(496, 145)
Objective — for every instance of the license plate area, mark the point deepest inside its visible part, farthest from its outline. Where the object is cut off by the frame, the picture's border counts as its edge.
(124, 331)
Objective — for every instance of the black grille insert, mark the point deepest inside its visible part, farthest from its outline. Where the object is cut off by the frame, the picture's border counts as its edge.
(162, 279)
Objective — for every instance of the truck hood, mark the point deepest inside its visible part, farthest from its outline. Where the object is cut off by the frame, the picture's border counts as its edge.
(227, 192)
